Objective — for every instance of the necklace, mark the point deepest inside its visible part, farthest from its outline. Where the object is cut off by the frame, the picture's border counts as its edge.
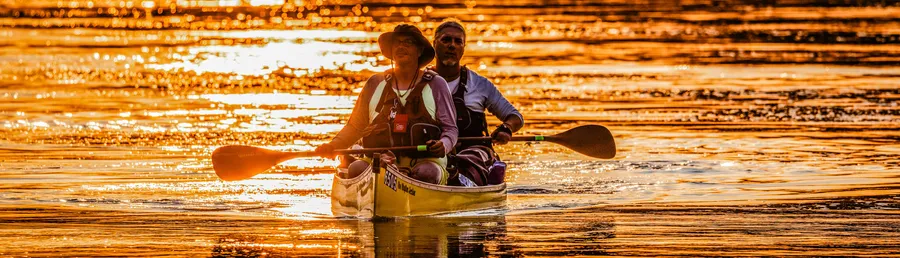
(408, 88)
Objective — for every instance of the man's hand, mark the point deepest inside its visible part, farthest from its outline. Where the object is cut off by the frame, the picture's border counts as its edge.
(436, 148)
(500, 138)
(501, 135)
(325, 151)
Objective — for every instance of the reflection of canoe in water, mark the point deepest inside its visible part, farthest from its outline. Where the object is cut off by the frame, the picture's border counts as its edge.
(425, 236)
(476, 236)
(391, 193)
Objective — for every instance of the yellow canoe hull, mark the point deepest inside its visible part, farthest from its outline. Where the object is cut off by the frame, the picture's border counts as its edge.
(391, 193)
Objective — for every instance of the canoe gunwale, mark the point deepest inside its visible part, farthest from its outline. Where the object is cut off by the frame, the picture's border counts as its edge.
(351, 181)
(412, 181)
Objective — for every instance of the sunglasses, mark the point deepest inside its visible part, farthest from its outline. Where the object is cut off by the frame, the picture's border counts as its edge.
(408, 42)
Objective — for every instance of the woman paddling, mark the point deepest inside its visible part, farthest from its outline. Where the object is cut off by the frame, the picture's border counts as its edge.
(403, 106)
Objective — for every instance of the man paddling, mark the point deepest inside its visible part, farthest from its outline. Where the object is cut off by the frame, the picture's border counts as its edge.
(472, 94)
(403, 106)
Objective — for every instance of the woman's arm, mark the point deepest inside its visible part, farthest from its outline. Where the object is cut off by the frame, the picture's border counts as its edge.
(445, 112)
(359, 118)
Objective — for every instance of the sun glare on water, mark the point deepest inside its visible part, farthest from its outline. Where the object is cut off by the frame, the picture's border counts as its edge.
(291, 58)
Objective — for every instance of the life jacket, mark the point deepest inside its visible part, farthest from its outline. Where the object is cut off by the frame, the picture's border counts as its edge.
(470, 123)
(389, 129)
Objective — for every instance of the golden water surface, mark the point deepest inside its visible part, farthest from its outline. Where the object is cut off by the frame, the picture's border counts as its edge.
(742, 129)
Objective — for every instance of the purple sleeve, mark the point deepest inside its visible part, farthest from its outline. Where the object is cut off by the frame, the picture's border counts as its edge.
(359, 118)
(444, 112)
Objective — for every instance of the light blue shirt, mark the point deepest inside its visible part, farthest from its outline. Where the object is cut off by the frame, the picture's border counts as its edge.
(481, 94)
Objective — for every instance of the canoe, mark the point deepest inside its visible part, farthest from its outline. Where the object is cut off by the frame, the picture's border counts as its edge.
(391, 193)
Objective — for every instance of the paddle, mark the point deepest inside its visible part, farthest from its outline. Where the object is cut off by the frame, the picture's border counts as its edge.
(237, 162)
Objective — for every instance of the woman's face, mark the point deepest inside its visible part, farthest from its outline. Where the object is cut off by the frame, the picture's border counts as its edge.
(406, 50)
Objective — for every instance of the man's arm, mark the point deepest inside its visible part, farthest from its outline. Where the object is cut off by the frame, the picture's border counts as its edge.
(514, 122)
(502, 109)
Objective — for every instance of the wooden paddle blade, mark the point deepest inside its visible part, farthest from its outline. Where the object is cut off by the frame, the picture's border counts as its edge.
(236, 162)
(591, 140)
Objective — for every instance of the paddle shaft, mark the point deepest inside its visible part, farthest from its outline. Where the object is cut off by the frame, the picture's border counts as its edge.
(421, 147)
(362, 151)
(290, 155)
(518, 138)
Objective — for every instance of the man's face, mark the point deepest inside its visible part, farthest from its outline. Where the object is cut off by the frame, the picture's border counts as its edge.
(405, 49)
(450, 46)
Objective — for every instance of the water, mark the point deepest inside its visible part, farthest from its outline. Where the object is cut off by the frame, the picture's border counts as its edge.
(743, 129)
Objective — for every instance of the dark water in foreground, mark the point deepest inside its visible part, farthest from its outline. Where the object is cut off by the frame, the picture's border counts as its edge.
(743, 128)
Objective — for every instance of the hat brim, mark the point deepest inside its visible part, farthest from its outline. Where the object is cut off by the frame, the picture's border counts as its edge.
(386, 41)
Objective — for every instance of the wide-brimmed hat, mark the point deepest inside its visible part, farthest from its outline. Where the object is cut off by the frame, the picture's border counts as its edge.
(386, 40)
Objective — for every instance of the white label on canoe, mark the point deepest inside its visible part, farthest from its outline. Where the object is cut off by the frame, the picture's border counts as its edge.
(390, 179)
(465, 181)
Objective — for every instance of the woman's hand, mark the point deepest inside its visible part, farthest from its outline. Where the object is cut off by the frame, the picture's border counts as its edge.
(387, 158)
(436, 148)
(325, 151)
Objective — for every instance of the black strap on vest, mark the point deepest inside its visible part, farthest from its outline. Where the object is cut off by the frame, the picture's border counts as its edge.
(459, 99)
(389, 95)
(466, 119)
(417, 88)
